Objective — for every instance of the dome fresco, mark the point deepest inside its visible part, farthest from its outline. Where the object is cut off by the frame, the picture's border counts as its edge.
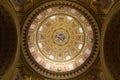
(60, 39)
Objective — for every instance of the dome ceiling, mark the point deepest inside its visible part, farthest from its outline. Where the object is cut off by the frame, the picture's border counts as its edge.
(60, 39)
(57, 38)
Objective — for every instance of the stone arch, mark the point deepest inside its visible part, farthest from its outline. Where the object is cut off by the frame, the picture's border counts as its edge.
(9, 40)
(110, 47)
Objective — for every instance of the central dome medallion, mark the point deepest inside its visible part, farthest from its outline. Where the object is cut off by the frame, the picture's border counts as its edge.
(60, 39)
